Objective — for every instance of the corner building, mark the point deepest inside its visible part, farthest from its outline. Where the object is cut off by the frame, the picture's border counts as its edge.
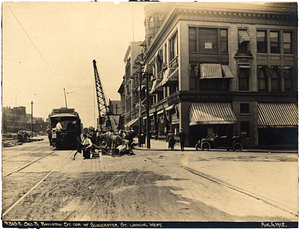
(227, 68)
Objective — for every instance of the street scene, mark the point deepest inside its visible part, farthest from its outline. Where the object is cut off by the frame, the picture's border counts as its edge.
(150, 114)
(151, 185)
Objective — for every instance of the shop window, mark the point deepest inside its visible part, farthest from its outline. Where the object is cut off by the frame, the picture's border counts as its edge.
(288, 75)
(261, 78)
(173, 46)
(274, 42)
(243, 79)
(192, 40)
(261, 41)
(244, 108)
(245, 128)
(287, 43)
(275, 79)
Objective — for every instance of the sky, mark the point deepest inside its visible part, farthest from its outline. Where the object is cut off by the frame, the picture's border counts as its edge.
(50, 46)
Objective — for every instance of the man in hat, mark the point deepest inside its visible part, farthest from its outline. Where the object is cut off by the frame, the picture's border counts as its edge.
(182, 137)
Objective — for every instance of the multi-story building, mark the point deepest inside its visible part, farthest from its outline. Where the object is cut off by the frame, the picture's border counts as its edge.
(228, 68)
(15, 119)
(128, 87)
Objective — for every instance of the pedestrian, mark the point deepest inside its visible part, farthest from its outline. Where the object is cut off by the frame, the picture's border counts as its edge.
(49, 132)
(171, 140)
(182, 137)
(87, 144)
(79, 145)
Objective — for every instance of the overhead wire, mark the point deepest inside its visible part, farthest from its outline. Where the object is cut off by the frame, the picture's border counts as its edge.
(34, 44)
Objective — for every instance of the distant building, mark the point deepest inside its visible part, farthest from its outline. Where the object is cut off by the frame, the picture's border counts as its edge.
(15, 119)
(226, 68)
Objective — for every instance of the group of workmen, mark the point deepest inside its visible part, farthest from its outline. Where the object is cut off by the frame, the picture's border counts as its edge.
(92, 140)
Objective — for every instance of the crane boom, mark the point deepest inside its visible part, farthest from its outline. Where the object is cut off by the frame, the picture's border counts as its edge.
(103, 109)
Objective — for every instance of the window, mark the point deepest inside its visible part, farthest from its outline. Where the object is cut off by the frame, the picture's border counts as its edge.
(223, 41)
(244, 108)
(151, 22)
(208, 40)
(173, 47)
(274, 42)
(262, 78)
(287, 43)
(193, 72)
(192, 40)
(245, 128)
(288, 76)
(243, 79)
(275, 79)
(261, 42)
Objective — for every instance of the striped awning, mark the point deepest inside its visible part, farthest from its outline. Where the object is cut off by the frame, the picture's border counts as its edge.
(227, 72)
(244, 36)
(170, 76)
(133, 122)
(211, 113)
(155, 87)
(210, 71)
(277, 115)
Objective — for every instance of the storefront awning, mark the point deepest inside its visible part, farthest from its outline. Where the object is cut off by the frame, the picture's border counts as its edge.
(211, 113)
(244, 36)
(277, 115)
(133, 122)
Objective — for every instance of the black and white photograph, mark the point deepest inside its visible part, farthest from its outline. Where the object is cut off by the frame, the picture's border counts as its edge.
(150, 114)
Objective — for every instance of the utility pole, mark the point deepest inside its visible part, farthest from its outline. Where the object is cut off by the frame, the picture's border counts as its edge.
(31, 119)
(65, 98)
(147, 109)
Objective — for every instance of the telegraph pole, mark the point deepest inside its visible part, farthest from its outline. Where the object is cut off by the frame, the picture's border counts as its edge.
(31, 119)
(65, 98)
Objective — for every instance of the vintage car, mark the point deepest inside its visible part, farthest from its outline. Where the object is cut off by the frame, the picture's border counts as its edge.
(213, 141)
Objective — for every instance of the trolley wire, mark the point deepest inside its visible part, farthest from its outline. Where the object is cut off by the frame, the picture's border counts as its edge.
(33, 44)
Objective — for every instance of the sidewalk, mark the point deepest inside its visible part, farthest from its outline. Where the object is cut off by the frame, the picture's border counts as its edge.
(272, 181)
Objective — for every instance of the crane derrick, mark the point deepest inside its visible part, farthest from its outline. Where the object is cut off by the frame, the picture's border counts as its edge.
(103, 109)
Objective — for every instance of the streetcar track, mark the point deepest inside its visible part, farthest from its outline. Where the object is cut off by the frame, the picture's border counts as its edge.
(25, 166)
(19, 200)
(240, 190)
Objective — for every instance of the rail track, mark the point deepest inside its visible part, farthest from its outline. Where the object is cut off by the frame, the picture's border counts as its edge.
(37, 184)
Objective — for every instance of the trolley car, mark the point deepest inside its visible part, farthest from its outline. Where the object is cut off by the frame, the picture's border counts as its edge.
(67, 136)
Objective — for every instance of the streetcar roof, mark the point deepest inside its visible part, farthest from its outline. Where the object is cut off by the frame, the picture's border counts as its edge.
(63, 115)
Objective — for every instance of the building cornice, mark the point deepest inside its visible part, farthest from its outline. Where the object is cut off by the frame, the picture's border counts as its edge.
(265, 16)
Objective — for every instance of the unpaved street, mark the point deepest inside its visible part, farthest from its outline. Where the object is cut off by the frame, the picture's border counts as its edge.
(151, 185)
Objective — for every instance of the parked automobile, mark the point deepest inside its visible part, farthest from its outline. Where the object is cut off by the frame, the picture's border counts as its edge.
(213, 141)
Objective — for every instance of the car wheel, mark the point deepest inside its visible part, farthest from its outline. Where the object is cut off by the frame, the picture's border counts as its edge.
(237, 147)
(205, 145)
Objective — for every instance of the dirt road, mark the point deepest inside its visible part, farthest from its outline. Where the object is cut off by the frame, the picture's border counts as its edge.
(147, 186)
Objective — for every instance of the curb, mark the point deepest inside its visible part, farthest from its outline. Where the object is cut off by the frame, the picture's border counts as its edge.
(233, 187)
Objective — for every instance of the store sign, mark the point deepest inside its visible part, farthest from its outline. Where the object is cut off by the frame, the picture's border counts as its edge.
(208, 45)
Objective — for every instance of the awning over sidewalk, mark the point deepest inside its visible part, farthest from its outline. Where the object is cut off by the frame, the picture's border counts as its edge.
(133, 122)
(277, 115)
(211, 113)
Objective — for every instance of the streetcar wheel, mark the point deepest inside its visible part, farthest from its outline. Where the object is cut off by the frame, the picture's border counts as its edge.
(237, 147)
